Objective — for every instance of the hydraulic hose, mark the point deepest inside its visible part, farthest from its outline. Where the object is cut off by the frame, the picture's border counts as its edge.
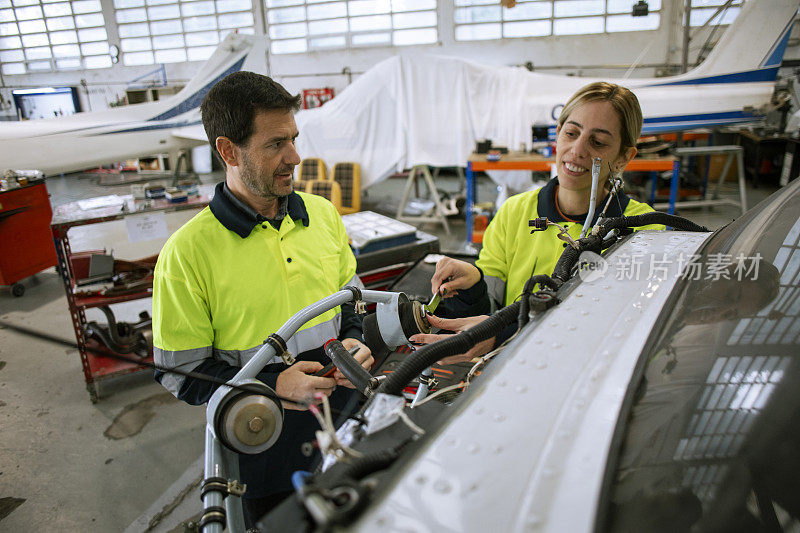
(462, 342)
(372, 462)
(352, 369)
(454, 345)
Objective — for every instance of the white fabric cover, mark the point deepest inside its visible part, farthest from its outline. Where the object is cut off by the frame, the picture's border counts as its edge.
(410, 110)
(426, 110)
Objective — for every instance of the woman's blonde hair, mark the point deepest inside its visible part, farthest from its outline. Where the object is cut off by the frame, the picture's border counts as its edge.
(621, 99)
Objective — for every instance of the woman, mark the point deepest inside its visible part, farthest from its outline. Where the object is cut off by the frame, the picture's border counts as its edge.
(600, 120)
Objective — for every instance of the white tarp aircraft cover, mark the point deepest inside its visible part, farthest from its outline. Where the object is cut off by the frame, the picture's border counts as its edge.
(423, 110)
(410, 110)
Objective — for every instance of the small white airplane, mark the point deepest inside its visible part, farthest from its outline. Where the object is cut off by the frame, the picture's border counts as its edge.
(86, 140)
(411, 110)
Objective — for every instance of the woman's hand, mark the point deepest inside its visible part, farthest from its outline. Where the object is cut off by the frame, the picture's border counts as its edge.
(453, 274)
(457, 325)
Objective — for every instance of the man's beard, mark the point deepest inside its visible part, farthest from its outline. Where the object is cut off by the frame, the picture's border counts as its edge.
(263, 187)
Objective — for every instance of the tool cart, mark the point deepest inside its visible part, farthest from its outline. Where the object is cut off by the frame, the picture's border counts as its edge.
(112, 349)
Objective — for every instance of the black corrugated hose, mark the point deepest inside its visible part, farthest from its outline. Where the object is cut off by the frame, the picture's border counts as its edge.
(369, 463)
(569, 257)
(454, 345)
(593, 242)
(645, 219)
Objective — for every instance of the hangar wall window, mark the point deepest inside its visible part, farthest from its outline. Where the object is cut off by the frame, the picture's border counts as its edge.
(704, 10)
(303, 25)
(480, 20)
(46, 35)
(169, 31)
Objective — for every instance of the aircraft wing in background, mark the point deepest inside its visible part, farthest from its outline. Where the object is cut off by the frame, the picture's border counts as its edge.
(86, 140)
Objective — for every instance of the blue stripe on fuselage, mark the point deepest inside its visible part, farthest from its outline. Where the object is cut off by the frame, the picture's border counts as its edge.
(152, 127)
(723, 115)
(197, 98)
(749, 76)
(705, 120)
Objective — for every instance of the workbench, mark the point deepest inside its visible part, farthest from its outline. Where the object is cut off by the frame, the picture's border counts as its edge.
(538, 163)
(379, 270)
(67, 216)
(25, 243)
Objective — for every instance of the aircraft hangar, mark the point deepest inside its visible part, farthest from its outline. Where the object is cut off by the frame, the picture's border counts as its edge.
(636, 370)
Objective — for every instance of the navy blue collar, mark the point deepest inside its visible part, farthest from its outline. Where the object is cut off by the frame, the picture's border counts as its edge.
(546, 206)
(240, 218)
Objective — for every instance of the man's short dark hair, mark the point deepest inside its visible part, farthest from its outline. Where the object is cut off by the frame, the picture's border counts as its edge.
(229, 108)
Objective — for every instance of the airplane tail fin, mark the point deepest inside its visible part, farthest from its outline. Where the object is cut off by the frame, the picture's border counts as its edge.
(236, 52)
(752, 48)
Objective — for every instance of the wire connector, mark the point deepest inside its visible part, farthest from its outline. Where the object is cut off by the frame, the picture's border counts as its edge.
(538, 224)
(542, 223)
(542, 300)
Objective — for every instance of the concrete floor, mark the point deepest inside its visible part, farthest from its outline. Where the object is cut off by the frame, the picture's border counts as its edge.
(130, 462)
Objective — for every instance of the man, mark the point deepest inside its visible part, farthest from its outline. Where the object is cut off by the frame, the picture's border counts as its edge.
(238, 270)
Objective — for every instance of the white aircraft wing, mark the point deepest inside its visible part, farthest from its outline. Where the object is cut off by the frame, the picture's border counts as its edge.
(85, 140)
(191, 133)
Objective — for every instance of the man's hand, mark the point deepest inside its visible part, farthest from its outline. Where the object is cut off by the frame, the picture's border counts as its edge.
(453, 274)
(363, 356)
(458, 325)
(295, 383)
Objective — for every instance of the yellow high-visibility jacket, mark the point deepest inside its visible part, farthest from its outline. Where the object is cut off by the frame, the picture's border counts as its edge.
(511, 254)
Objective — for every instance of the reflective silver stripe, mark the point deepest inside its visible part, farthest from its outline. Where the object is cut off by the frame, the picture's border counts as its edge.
(315, 336)
(240, 357)
(355, 281)
(302, 341)
(186, 360)
(497, 292)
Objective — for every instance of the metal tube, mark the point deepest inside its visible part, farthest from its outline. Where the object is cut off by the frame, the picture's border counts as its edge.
(422, 389)
(233, 503)
(377, 296)
(593, 197)
(213, 468)
(288, 329)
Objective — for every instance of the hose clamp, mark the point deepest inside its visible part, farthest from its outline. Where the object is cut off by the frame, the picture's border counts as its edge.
(360, 306)
(277, 342)
(220, 484)
(430, 381)
(212, 514)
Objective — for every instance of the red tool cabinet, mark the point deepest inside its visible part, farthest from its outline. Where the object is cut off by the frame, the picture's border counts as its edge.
(26, 245)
